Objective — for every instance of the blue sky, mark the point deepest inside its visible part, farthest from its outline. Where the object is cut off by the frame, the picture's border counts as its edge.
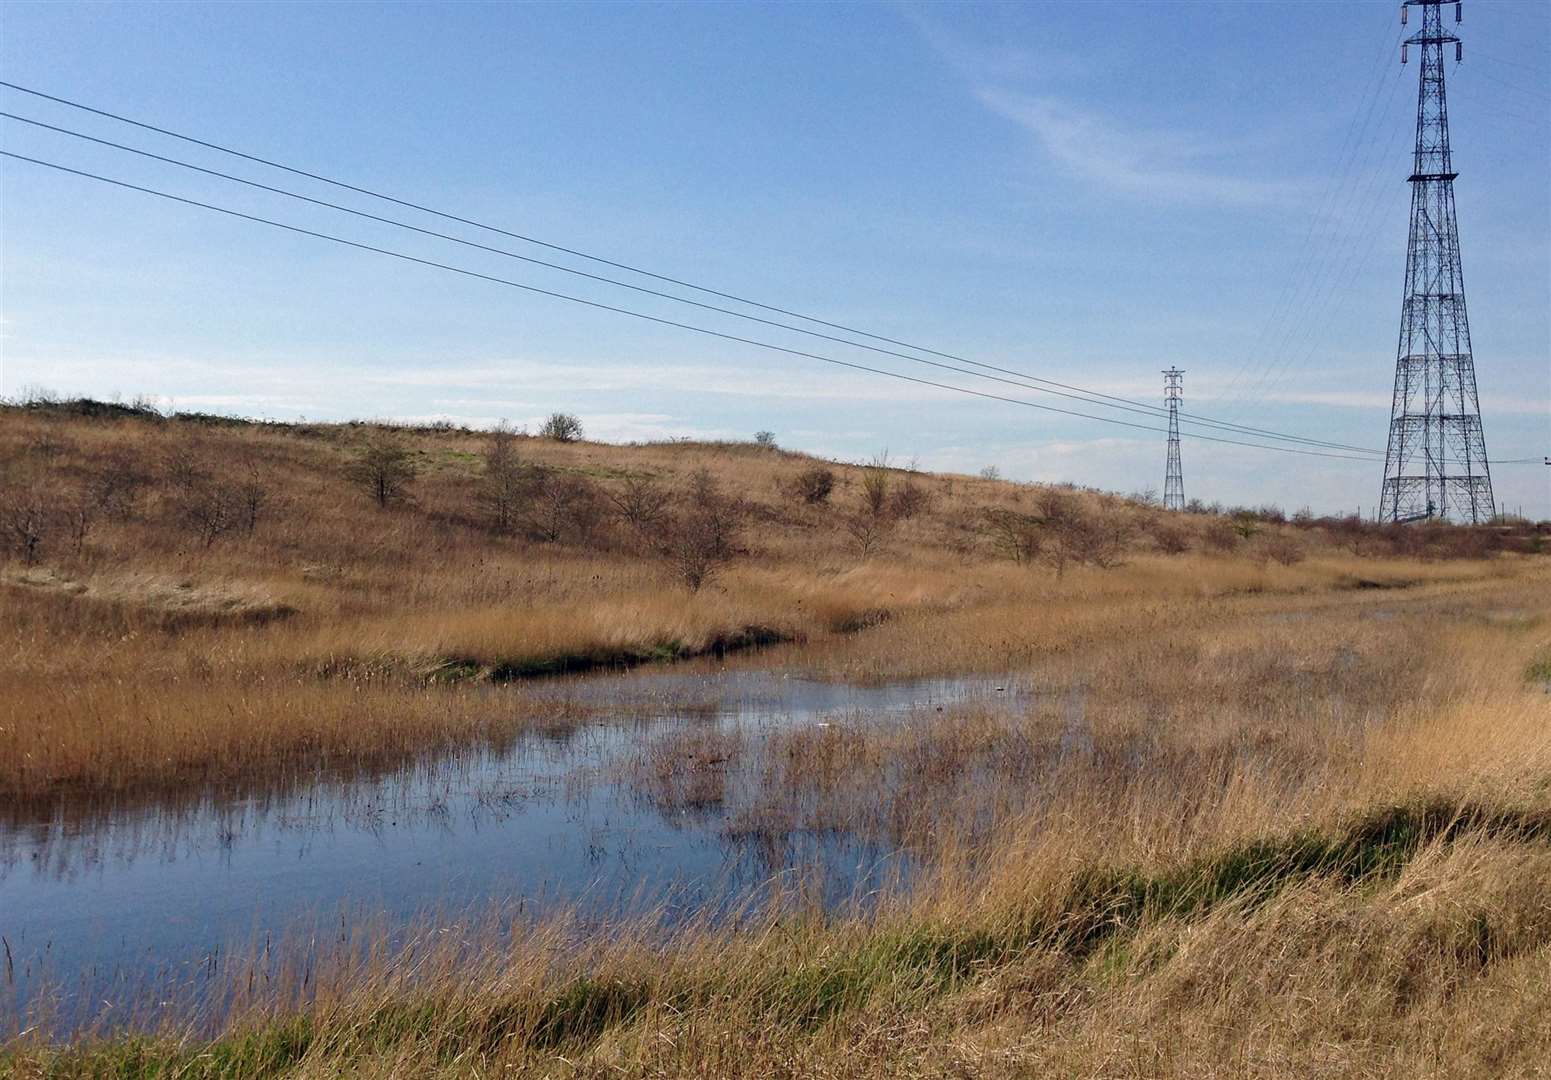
(1088, 192)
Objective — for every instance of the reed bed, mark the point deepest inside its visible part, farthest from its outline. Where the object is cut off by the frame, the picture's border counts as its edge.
(1244, 818)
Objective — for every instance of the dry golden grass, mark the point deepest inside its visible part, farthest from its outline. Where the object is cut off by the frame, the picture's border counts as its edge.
(1255, 819)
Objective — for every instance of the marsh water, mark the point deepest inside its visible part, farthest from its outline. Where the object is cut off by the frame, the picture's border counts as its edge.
(96, 898)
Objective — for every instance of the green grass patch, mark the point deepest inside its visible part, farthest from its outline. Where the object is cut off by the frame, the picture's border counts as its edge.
(828, 971)
(1539, 669)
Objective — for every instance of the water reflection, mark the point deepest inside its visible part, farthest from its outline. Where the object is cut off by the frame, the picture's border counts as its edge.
(94, 894)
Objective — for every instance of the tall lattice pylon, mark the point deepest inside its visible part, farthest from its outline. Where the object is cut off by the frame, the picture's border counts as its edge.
(1435, 465)
(1173, 475)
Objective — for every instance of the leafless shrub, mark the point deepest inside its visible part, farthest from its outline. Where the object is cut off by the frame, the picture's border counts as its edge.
(201, 503)
(702, 539)
(1147, 496)
(116, 482)
(813, 486)
(183, 466)
(1170, 538)
(208, 511)
(641, 502)
(990, 472)
(505, 485)
(908, 500)
(1096, 539)
(561, 427)
(1068, 533)
(1015, 535)
(26, 518)
(1286, 550)
(1352, 533)
(77, 510)
(1245, 524)
(875, 486)
(564, 507)
(384, 467)
(252, 497)
(767, 439)
(1220, 535)
(869, 531)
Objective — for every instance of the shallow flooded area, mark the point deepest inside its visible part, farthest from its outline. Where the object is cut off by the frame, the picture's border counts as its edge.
(634, 814)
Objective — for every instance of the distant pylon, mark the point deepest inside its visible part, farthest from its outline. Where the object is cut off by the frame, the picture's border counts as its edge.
(1173, 476)
(1435, 465)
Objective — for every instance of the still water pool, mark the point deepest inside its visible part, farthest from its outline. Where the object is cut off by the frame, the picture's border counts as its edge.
(94, 899)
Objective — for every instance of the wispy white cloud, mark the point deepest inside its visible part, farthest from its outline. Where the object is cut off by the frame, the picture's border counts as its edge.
(1034, 90)
(1149, 163)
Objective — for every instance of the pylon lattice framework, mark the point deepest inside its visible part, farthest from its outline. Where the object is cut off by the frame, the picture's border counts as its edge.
(1173, 476)
(1435, 464)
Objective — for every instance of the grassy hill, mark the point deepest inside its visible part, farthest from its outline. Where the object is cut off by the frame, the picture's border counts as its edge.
(1305, 832)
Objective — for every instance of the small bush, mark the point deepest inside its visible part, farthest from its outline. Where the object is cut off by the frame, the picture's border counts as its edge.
(875, 486)
(562, 427)
(202, 503)
(384, 467)
(1287, 550)
(642, 503)
(116, 481)
(1170, 538)
(869, 531)
(766, 439)
(1220, 535)
(698, 542)
(565, 508)
(505, 484)
(1015, 535)
(908, 500)
(27, 519)
(813, 486)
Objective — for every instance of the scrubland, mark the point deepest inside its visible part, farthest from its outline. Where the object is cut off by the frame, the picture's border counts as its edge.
(1280, 804)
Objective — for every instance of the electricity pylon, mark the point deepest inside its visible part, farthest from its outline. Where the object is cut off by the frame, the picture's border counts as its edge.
(1435, 465)
(1173, 476)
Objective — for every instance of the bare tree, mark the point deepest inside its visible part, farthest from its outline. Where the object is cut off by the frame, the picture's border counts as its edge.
(209, 510)
(384, 466)
(562, 427)
(506, 485)
(117, 481)
(702, 539)
(767, 439)
(869, 531)
(78, 509)
(990, 472)
(26, 519)
(564, 507)
(251, 497)
(1098, 539)
(1071, 534)
(641, 502)
(875, 485)
(1015, 535)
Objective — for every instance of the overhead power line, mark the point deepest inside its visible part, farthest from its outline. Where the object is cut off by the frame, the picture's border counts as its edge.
(1017, 381)
(463, 271)
(1092, 397)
